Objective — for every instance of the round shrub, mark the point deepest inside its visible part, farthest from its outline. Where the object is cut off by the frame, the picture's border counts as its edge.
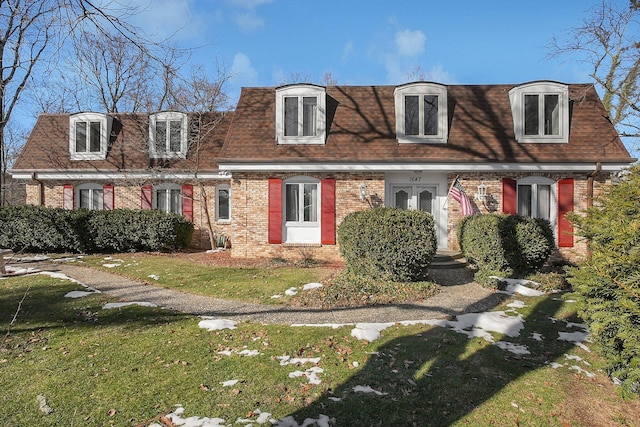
(388, 243)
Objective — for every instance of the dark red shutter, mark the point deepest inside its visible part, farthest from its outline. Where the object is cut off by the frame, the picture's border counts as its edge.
(328, 211)
(146, 197)
(67, 197)
(275, 210)
(107, 197)
(565, 205)
(187, 201)
(509, 196)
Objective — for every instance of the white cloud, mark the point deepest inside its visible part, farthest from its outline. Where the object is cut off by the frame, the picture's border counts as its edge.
(346, 51)
(410, 43)
(167, 18)
(248, 22)
(242, 71)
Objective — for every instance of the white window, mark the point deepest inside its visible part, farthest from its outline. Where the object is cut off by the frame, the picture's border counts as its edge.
(90, 196)
(421, 113)
(168, 135)
(300, 114)
(302, 210)
(89, 136)
(540, 112)
(537, 198)
(223, 202)
(168, 198)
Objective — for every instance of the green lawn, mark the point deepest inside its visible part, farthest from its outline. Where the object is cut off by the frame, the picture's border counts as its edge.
(129, 366)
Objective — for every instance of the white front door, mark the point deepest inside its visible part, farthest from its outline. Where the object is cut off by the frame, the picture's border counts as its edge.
(415, 197)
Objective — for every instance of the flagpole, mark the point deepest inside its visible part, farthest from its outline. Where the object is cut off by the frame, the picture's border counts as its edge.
(446, 202)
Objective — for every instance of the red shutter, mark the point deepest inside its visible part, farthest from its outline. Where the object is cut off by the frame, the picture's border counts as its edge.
(146, 197)
(565, 205)
(328, 211)
(275, 210)
(187, 201)
(67, 197)
(107, 197)
(509, 196)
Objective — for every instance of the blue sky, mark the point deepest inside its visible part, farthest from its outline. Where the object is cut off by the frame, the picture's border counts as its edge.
(265, 42)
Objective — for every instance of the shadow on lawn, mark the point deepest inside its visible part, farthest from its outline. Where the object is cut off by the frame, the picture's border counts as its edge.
(438, 377)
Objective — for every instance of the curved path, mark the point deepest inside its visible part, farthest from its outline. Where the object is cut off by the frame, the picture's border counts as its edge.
(460, 296)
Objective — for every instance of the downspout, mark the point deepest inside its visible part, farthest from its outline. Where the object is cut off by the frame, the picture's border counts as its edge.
(590, 178)
(40, 200)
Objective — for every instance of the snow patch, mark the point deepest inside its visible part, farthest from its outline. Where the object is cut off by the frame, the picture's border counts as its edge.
(111, 265)
(291, 292)
(519, 286)
(229, 383)
(310, 374)
(513, 348)
(310, 286)
(154, 277)
(79, 294)
(367, 389)
(213, 324)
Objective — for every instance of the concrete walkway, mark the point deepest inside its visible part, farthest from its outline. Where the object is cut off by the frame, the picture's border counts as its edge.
(456, 298)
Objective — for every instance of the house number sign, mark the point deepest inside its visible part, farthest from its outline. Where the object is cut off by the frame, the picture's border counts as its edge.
(415, 178)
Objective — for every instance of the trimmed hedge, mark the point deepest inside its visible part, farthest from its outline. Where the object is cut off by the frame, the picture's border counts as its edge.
(609, 282)
(388, 243)
(39, 229)
(505, 245)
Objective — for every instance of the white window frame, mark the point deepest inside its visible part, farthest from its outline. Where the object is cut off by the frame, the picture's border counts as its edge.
(301, 91)
(301, 231)
(421, 89)
(167, 188)
(517, 99)
(168, 116)
(534, 181)
(219, 188)
(105, 132)
(92, 187)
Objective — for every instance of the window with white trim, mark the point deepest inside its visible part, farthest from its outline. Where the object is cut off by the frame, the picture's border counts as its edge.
(537, 198)
(540, 112)
(89, 196)
(421, 113)
(168, 135)
(168, 198)
(301, 114)
(89, 136)
(223, 202)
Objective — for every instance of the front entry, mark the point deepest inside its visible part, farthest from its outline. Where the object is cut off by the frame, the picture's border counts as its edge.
(425, 191)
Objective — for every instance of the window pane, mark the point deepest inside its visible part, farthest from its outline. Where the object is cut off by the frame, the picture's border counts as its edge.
(175, 135)
(97, 198)
(84, 201)
(551, 115)
(81, 137)
(161, 200)
(291, 201)
(425, 200)
(544, 201)
(309, 111)
(223, 203)
(290, 116)
(411, 115)
(524, 200)
(531, 113)
(402, 199)
(311, 202)
(431, 114)
(161, 136)
(95, 137)
(175, 201)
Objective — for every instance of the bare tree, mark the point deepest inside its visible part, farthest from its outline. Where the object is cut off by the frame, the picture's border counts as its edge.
(33, 34)
(609, 42)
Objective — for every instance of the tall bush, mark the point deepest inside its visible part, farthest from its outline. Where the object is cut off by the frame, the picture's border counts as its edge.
(609, 282)
(388, 243)
(505, 245)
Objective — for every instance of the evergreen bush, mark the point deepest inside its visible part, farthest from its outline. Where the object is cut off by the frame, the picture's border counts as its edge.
(388, 243)
(40, 229)
(609, 282)
(505, 245)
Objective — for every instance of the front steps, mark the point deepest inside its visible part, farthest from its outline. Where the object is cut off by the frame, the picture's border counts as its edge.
(448, 259)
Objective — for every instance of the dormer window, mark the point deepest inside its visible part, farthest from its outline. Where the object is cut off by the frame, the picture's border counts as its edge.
(168, 135)
(89, 136)
(421, 113)
(300, 114)
(540, 112)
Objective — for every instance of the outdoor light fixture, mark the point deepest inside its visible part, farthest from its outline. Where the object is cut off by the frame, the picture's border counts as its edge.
(481, 195)
(363, 191)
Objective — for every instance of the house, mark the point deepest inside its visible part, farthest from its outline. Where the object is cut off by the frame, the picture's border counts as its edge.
(297, 159)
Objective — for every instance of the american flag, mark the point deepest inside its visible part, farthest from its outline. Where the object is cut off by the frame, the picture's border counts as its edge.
(458, 194)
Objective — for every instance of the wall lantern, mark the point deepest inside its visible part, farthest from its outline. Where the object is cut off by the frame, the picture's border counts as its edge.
(481, 195)
(363, 191)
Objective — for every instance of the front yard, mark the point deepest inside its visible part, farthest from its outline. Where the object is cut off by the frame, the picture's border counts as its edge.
(69, 361)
